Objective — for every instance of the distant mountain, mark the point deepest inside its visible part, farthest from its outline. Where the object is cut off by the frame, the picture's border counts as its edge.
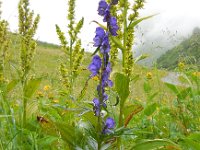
(187, 52)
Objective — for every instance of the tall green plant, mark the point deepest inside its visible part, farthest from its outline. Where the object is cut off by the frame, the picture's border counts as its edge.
(127, 13)
(4, 43)
(27, 29)
(72, 48)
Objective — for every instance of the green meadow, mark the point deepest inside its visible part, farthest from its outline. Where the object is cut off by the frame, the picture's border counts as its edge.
(47, 92)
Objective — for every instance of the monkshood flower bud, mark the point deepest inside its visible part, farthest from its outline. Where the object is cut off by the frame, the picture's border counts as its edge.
(105, 45)
(105, 77)
(107, 15)
(104, 10)
(95, 66)
(113, 27)
(102, 7)
(100, 34)
(97, 105)
(114, 2)
(109, 124)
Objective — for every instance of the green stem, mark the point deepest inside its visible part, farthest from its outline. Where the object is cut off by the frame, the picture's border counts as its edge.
(120, 116)
(123, 66)
(71, 66)
(125, 34)
(24, 105)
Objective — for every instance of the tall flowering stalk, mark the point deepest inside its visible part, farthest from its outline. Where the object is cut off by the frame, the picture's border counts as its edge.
(101, 66)
(27, 29)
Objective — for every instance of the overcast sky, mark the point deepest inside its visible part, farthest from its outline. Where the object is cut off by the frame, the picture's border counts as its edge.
(174, 15)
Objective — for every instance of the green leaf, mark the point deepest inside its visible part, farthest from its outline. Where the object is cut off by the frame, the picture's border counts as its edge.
(98, 48)
(70, 134)
(91, 118)
(46, 141)
(31, 87)
(147, 87)
(154, 144)
(195, 136)
(141, 57)
(190, 144)
(67, 132)
(135, 78)
(133, 24)
(122, 87)
(172, 87)
(104, 27)
(150, 109)
(117, 43)
(11, 85)
(153, 96)
(184, 93)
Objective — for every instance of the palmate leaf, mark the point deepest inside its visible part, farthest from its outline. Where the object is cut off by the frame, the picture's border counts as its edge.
(155, 144)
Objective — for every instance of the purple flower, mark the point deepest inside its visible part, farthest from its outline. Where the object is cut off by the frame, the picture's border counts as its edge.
(105, 77)
(102, 7)
(113, 27)
(95, 66)
(109, 124)
(114, 2)
(105, 46)
(96, 107)
(107, 15)
(100, 34)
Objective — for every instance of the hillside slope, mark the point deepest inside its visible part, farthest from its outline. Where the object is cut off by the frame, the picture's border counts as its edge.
(187, 51)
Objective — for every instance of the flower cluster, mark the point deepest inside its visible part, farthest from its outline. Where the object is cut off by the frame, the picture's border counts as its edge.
(101, 67)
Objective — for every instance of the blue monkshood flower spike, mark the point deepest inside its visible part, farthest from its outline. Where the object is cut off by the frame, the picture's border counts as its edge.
(109, 124)
(95, 66)
(98, 39)
(102, 7)
(113, 27)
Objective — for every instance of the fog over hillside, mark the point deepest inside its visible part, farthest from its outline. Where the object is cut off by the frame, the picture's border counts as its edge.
(175, 21)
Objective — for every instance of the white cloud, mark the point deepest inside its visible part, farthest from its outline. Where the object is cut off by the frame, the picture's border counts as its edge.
(181, 15)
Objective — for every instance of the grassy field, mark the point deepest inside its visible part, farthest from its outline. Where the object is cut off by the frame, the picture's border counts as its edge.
(167, 111)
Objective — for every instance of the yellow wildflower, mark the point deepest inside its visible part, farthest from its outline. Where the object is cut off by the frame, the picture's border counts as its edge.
(149, 75)
(39, 94)
(55, 101)
(196, 74)
(181, 65)
(46, 87)
(95, 78)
